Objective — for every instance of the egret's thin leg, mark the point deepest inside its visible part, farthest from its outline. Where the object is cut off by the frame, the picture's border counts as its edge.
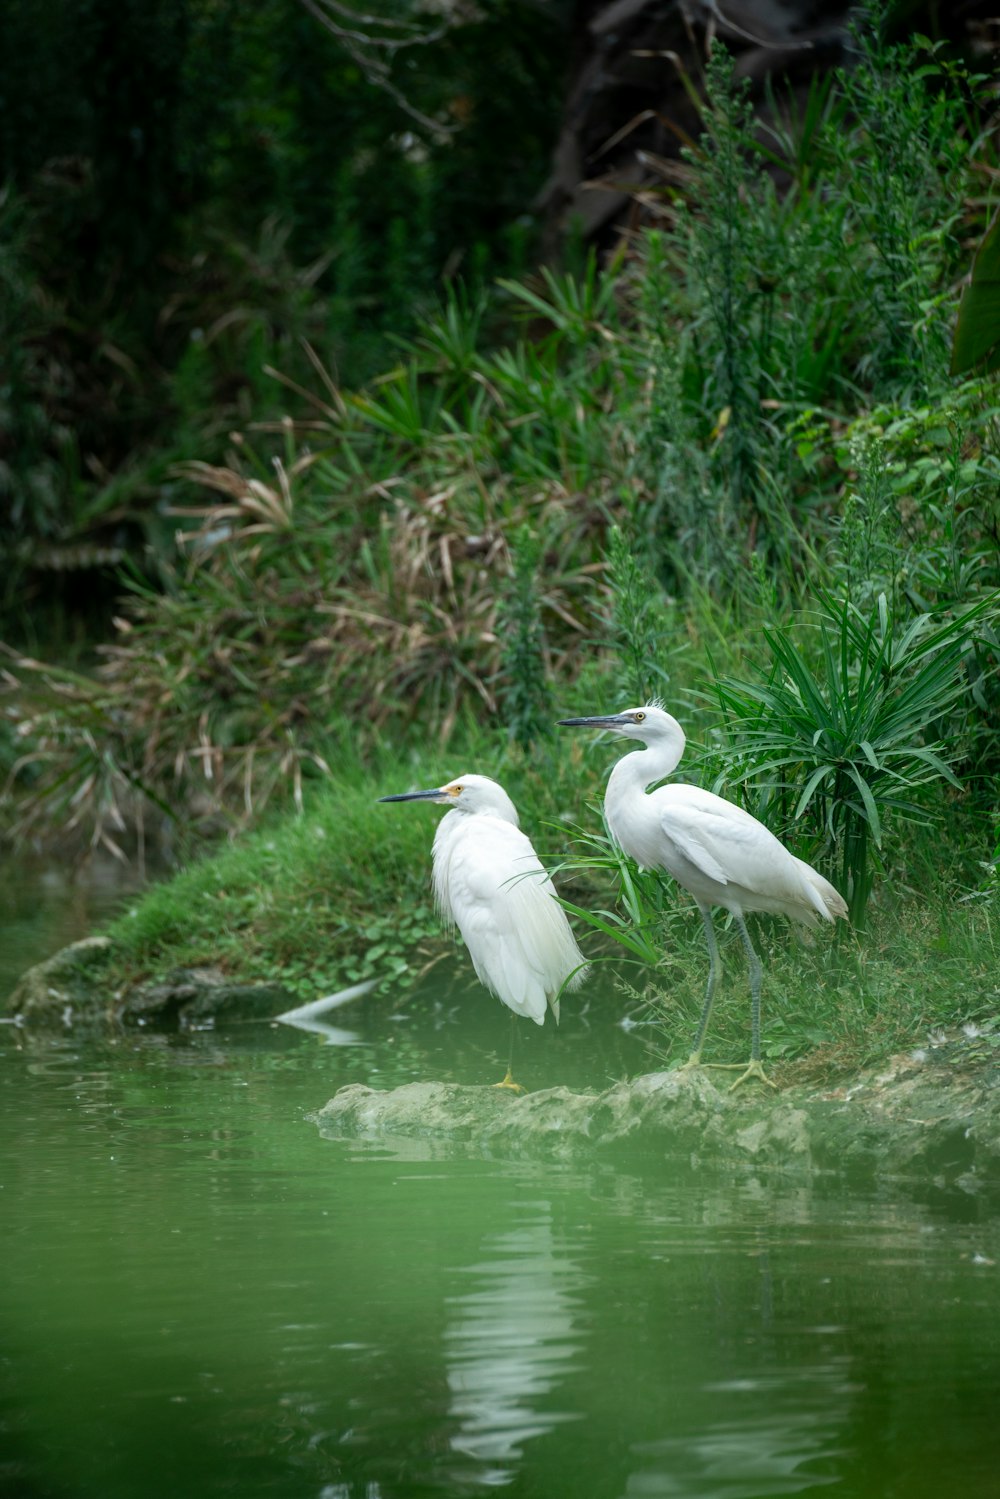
(508, 1081)
(754, 1069)
(756, 974)
(694, 1060)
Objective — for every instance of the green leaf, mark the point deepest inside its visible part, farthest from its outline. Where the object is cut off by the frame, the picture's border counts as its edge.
(631, 938)
(976, 344)
(869, 754)
(822, 773)
(871, 811)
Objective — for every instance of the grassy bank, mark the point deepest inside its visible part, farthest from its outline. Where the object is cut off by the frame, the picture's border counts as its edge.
(338, 894)
(341, 894)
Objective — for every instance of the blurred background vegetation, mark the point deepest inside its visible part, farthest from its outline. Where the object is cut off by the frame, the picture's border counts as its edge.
(191, 188)
(340, 441)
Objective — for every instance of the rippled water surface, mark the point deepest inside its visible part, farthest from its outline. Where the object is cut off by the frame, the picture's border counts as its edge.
(201, 1296)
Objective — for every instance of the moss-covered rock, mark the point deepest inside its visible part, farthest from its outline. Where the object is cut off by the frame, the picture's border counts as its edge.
(200, 996)
(918, 1118)
(554, 1120)
(73, 988)
(69, 985)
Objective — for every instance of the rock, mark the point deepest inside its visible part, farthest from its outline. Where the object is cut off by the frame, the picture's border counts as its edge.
(675, 1108)
(71, 988)
(197, 997)
(65, 986)
(417, 1109)
(779, 1138)
(659, 1109)
(930, 1124)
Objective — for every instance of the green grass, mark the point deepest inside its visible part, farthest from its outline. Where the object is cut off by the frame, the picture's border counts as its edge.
(839, 1003)
(293, 901)
(329, 897)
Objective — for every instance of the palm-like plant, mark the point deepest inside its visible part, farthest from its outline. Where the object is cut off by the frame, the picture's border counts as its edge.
(838, 744)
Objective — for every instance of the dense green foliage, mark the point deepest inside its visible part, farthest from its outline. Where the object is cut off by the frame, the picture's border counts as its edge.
(191, 188)
(730, 469)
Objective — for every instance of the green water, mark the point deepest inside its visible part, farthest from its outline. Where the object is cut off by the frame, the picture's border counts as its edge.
(201, 1296)
(46, 903)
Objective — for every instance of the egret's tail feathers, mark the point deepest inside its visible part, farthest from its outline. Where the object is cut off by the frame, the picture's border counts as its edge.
(578, 975)
(574, 981)
(827, 902)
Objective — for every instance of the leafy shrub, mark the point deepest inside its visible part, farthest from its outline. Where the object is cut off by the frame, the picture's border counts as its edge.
(837, 739)
(144, 289)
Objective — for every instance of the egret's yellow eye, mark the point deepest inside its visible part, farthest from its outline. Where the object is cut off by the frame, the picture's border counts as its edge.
(455, 790)
(638, 717)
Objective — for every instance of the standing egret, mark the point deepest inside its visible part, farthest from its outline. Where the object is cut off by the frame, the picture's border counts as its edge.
(718, 852)
(490, 883)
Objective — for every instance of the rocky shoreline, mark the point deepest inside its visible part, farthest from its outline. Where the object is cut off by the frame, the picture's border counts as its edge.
(930, 1115)
(932, 1118)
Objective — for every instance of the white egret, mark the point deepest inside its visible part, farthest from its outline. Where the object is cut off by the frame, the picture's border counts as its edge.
(490, 883)
(715, 849)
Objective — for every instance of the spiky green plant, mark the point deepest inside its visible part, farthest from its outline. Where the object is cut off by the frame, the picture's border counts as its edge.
(523, 690)
(635, 928)
(836, 739)
(639, 620)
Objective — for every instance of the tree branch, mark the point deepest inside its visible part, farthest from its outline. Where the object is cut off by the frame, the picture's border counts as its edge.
(364, 49)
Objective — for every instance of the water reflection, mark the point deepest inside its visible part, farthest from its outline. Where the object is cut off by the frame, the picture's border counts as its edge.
(779, 1449)
(507, 1345)
(46, 902)
(312, 1016)
(333, 1035)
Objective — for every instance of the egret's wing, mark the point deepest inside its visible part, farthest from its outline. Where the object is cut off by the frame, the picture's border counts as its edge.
(504, 905)
(733, 849)
(721, 840)
(693, 845)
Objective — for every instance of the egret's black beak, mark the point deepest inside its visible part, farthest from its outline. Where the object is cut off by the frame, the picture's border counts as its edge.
(434, 795)
(602, 721)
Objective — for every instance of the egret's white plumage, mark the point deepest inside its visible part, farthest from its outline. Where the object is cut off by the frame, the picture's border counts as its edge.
(715, 849)
(490, 883)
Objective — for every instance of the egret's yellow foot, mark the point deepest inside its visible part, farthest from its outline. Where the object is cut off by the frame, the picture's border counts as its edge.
(694, 1060)
(509, 1082)
(754, 1069)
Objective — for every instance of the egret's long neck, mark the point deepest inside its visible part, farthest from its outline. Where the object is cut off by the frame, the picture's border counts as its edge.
(633, 773)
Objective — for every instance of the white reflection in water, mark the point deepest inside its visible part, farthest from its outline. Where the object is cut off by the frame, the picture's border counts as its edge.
(334, 1035)
(750, 1456)
(508, 1343)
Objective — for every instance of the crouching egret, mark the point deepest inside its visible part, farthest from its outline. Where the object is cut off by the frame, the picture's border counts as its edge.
(490, 883)
(718, 852)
